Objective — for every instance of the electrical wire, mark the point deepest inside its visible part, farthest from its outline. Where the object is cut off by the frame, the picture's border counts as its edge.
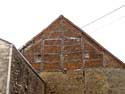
(107, 14)
(114, 21)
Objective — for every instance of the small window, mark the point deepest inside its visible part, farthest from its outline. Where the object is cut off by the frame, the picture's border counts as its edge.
(38, 58)
(78, 40)
(86, 55)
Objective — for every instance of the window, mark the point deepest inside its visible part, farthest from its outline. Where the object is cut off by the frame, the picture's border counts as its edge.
(38, 58)
(86, 55)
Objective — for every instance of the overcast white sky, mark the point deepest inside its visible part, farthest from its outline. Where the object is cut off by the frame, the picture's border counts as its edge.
(20, 20)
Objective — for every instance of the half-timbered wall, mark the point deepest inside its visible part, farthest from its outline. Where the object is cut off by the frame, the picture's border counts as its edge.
(62, 46)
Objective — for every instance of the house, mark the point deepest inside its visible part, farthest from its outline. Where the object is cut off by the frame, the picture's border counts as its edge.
(62, 59)
(16, 75)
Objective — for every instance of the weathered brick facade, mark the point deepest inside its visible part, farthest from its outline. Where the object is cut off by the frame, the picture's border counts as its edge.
(16, 74)
(63, 46)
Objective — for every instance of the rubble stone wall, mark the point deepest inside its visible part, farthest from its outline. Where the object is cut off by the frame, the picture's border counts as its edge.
(23, 78)
(64, 83)
(105, 81)
(89, 81)
(4, 59)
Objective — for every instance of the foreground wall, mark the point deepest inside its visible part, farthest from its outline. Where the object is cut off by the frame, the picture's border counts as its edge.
(16, 75)
(23, 78)
(89, 81)
(4, 59)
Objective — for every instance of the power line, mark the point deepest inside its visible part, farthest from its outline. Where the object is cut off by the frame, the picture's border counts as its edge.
(103, 16)
(108, 24)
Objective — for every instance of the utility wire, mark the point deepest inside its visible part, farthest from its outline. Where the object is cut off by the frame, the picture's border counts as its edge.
(108, 24)
(104, 16)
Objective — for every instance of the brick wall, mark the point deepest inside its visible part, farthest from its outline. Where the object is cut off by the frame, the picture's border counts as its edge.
(63, 46)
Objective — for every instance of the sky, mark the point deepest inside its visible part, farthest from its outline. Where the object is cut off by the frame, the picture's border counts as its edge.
(20, 20)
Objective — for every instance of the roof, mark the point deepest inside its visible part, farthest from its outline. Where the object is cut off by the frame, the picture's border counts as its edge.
(5, 41)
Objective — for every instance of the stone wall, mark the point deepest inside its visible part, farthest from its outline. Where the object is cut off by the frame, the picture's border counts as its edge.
(23, 78)
(64, 83)
(105, 81)
(89, 81)
(4, 59)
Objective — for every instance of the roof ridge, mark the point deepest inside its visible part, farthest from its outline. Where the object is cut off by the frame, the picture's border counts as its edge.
(26, 44)
(5, 41)
(104, 49)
